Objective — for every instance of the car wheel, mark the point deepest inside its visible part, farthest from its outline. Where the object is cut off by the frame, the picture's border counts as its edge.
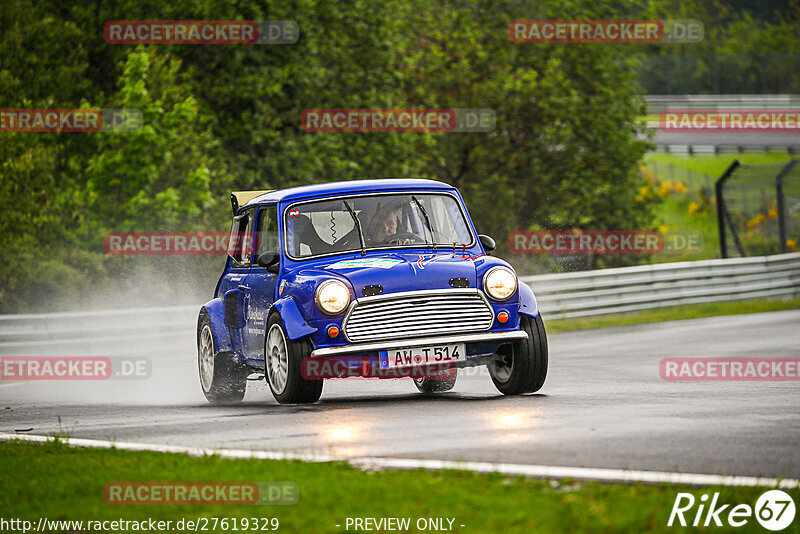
(442, 381)
(522, 367)
(282, 360)
(223, 379)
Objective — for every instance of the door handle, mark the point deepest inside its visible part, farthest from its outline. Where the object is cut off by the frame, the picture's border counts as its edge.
(244, 288)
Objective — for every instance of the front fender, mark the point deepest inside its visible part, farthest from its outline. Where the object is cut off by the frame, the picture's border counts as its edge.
(293, 320)
(222, 336)
(527, 301)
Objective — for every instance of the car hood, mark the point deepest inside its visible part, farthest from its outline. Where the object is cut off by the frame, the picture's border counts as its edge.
(396, 272)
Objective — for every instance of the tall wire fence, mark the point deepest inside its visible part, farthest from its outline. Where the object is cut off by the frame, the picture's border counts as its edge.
(760, 209)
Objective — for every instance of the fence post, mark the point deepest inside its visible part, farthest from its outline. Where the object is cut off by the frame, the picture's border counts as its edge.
(782, 204)
(723, 245)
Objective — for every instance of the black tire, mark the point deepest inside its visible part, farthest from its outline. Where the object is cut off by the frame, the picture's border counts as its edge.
(444, 380)
(296, 390)
(524, 368)
(225, 381)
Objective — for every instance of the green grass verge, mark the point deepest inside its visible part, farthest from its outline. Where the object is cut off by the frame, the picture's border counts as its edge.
(715, 165)
(676, 313)
(674, 211)
(58, 482)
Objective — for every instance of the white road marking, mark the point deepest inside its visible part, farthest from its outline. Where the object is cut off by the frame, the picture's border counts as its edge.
(364, 462)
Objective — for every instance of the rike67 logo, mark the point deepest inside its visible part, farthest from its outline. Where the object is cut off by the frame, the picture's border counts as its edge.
(774, 510)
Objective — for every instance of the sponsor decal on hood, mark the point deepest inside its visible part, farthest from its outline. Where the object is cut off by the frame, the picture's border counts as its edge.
(380, 263)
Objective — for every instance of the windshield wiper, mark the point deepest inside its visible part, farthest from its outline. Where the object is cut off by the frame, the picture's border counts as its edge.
(358, 226)
(427, 221)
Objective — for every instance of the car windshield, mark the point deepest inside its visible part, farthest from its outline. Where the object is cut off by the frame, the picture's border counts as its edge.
(386, 220)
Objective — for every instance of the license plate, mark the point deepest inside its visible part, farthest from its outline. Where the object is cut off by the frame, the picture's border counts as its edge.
(412, 357)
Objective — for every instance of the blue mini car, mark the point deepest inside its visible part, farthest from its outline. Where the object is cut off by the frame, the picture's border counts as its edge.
(367, 278)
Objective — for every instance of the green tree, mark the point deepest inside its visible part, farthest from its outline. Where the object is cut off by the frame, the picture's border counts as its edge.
(564, 153)
(164, 173)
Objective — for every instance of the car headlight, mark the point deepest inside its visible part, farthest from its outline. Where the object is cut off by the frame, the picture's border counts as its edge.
(500, 283)
(332, 297)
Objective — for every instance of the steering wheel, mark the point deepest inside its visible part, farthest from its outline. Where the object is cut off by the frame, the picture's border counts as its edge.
(403, 238)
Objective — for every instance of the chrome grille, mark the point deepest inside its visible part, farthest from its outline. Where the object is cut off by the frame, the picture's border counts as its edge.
(418, 313)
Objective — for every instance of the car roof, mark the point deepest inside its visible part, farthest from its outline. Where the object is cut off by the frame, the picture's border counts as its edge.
(329, 189)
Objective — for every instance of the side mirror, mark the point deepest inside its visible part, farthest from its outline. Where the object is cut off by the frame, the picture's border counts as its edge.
(270, 260)
(488, 243)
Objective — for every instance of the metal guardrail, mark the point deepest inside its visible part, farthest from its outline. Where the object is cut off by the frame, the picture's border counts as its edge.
(659, 103)
(71, 331)
(629, 289)
(705, 149)
(577, 294)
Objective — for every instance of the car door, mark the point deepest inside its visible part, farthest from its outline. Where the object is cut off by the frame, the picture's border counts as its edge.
(240, 252)
(260, 284)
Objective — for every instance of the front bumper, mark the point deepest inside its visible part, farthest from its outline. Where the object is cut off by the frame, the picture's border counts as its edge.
(419, 342)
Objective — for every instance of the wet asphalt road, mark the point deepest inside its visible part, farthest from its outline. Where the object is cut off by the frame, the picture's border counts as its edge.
(604, 405)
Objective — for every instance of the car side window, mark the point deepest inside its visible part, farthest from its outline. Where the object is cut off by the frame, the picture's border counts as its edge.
(240, 246)
(267, 233)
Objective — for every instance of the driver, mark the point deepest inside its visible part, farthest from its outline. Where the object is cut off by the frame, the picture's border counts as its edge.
(384, 224)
